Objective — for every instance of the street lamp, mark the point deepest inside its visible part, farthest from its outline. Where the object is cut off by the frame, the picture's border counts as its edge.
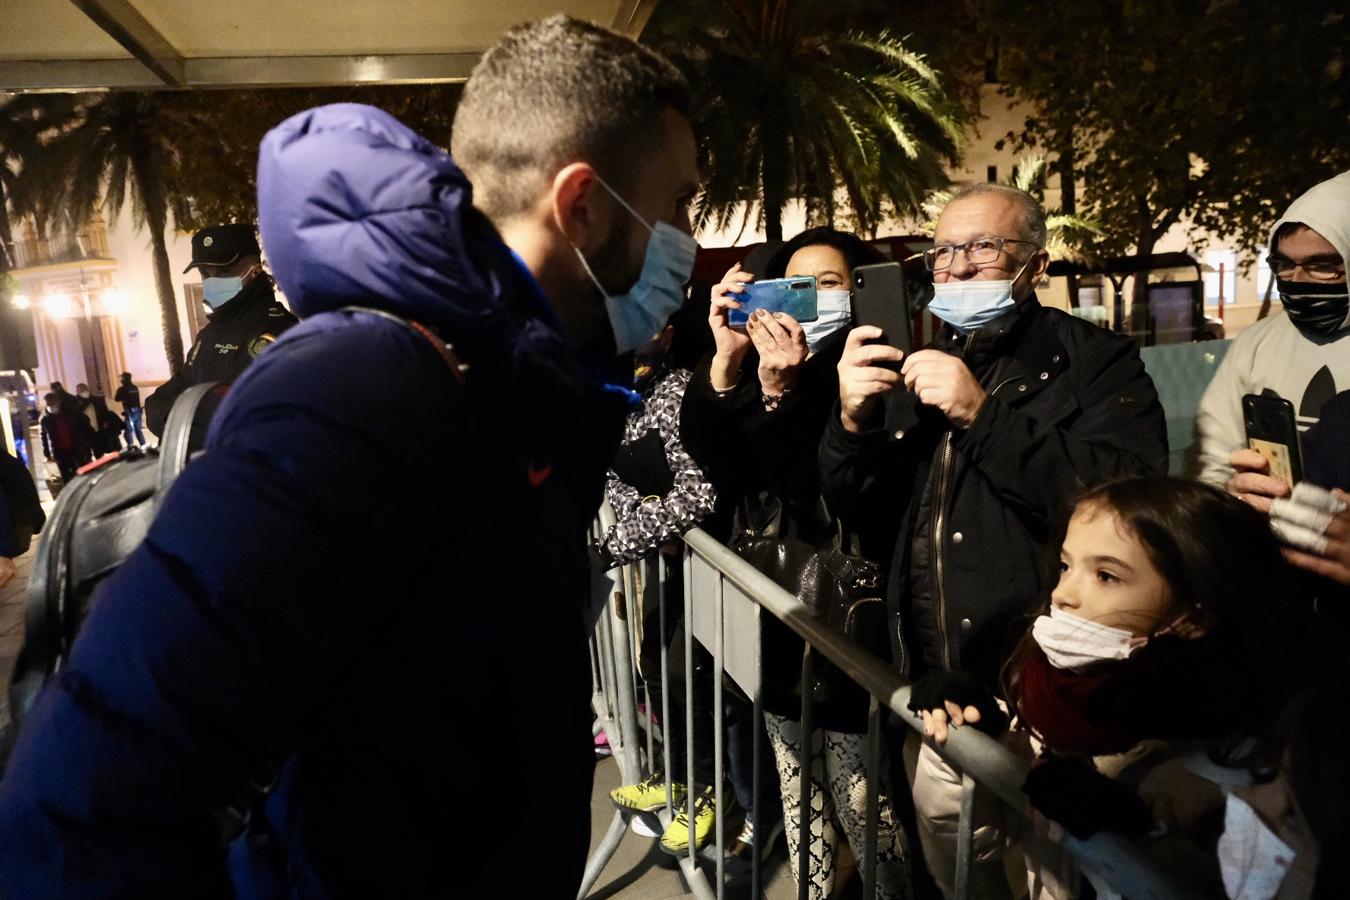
(59, 306)
(20, 302)
(114, 301)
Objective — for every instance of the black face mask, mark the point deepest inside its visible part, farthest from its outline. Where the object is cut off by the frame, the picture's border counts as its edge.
(1316, 309)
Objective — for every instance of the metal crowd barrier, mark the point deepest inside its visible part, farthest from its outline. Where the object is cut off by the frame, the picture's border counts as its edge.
(723, 599)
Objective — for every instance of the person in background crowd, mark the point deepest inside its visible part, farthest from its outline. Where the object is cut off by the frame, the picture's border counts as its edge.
(65, 398)
(105, 426)
(753, 416)
(658, 492)
(245, 315)
(1157, 642)
(281, 588)
(65, 438)
(1301, 354)
(1011, 410)
(129, 396)
(21, 514)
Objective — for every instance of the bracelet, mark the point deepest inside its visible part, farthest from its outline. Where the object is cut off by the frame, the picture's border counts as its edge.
(773, 401)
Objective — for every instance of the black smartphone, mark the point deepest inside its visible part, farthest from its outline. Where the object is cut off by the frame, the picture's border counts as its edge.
(879, 299)
(1272, 431)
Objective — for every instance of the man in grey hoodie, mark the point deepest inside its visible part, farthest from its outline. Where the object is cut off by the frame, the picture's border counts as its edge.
(1301, 354)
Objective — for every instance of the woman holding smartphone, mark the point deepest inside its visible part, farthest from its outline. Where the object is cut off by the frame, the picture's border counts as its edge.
(753, 416)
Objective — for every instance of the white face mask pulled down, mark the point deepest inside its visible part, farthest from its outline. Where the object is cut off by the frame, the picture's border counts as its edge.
(1073, 643)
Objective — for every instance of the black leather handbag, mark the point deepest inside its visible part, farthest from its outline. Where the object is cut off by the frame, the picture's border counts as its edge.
(809, 557)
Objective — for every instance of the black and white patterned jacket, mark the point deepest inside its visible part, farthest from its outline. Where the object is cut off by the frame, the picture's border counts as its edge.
(645, 521)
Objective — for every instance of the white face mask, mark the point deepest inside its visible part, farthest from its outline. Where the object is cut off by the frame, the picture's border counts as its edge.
(971, 304)
(1074, 644)
(1252, 859)
(833, 312)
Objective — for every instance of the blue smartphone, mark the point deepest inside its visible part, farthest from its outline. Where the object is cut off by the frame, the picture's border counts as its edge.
(794, 296)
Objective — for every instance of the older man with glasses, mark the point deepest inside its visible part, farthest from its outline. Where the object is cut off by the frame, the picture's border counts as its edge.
(952, 465)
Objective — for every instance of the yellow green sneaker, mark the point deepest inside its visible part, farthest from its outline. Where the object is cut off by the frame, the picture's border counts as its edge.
(676, 838)
(647, 795)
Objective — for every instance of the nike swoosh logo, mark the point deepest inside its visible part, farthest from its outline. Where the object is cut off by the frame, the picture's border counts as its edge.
(539, 475)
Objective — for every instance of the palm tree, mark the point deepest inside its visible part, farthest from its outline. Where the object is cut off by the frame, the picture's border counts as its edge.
(1068, 235)
(26, 185)
(790, 102)
(121, 141)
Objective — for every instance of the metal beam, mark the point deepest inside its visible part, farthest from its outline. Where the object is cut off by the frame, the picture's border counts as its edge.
(227, 72)
(128, 27)
(632, 16)
(75, 75)
(296, 71)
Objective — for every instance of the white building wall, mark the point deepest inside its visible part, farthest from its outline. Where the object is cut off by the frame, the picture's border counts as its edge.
(142, 334)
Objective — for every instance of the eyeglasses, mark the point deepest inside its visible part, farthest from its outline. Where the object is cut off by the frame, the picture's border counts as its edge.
(984, 250)
(1317, 271)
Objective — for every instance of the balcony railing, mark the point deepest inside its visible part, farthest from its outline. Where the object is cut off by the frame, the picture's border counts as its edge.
(89, 243)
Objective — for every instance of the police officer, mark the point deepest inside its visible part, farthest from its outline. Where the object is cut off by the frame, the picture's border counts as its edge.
(245, 316)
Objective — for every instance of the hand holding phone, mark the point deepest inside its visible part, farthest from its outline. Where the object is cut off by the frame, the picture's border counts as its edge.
(1272, 431)
(794, 296)
(868, 370)
(879, 300)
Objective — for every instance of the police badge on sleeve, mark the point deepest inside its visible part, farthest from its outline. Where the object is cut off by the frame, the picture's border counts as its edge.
(259, 344)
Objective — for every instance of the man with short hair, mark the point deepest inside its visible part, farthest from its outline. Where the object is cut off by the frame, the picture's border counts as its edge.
(245, 315)
(300, 616)
(1301, 353)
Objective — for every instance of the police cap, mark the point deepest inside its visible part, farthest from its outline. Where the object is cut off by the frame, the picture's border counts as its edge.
(223, 245)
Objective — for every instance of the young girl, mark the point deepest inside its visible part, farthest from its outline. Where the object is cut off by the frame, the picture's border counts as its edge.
(1171, 625)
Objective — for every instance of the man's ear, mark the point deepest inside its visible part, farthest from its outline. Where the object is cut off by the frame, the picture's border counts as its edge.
(1036, 268)
(1041, 264)
(572, 205)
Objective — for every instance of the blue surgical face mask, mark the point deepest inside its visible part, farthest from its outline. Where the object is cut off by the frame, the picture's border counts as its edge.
(638, 315)
(834, 311)
(219, 291)
(970, 305)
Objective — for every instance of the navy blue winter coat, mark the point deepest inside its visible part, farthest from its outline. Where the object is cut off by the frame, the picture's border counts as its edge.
(374, 575)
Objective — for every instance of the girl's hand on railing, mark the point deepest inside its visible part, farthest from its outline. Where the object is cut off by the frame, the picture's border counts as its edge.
(955, 699)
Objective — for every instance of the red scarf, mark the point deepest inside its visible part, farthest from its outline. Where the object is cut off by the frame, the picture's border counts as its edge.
(1170, 688)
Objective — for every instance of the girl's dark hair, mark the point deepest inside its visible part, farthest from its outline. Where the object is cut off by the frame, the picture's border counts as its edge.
(856, 251)
(1221, 563)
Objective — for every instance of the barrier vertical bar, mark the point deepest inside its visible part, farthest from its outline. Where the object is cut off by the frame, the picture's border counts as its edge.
(595, 666)
(630, 599)
(665, 690)
(869, 862)
(756, 813)
(627, 752)
(691, 792)
(646, 690)
(720, 821)
(606, 663)
(804, 802)
(965, 837)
